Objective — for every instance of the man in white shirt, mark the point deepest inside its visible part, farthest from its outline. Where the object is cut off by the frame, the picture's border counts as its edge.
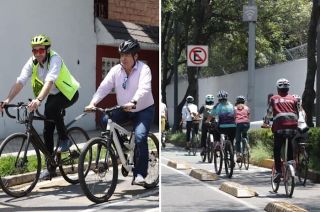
(131, 80)
(49, 77)
(189, 111)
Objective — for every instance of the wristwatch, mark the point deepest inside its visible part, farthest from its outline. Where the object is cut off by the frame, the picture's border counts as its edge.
(134, 102)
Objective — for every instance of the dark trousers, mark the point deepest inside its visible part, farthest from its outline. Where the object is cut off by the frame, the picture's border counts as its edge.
(230, 132)
(54, 106)
(142, 121)
(190, 124)
(242, 129)
(204, 132)
(280, 140)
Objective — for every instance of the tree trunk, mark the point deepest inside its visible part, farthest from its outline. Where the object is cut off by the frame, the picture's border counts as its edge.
(309, 92)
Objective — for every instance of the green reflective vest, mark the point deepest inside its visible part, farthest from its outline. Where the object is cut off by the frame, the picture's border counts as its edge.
(65, 83)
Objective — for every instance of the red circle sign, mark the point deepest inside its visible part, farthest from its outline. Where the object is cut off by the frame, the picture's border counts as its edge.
(197, 55)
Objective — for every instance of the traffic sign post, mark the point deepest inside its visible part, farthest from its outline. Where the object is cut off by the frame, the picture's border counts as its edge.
(197, 56)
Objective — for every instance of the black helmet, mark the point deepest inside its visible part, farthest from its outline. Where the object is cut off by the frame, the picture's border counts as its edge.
(129, 46)
(222, 95)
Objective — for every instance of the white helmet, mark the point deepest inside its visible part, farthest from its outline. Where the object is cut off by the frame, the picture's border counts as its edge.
(283, 83)
(209, 98)
(189, 99)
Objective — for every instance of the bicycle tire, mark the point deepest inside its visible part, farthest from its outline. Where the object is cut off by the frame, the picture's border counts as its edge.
(246, 154)
(302, 166)
(68, 161)
(18, 168)
(217, 160)
(99, 184)
(274, 186)
(204, 153)
(194, 144)
(289, 182)
(241, 162)
(228, 158)
(210, 149)
(152, 178)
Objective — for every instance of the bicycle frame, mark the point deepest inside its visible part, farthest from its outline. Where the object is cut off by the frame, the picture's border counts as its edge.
(113, 127)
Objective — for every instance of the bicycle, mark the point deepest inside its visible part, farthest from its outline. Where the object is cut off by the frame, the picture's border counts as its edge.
(209, 149)
(288, 171)
(223, 152)
(245, 153)
(20, 153)
(194, 143)
(100, 182)
(302, 158)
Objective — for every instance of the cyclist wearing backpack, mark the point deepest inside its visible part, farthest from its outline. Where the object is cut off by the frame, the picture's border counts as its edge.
(225, 113)
(283, 108)
(242, 121)
(205, 110)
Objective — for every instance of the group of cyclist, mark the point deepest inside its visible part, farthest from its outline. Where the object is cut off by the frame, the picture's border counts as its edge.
(284, 111)
(224, 117)
(52, 80)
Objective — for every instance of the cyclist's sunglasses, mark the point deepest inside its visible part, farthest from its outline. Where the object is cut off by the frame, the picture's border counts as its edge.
(39, 51)
(124, 84)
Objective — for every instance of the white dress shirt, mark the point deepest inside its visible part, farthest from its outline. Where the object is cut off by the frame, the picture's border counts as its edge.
(185, 112)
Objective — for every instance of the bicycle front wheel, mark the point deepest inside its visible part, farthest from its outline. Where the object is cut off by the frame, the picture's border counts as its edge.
(210, 148)
(20, 165)
(246, 154)
(68, 161)
(152, 178)
(99, 183)
(289, 183)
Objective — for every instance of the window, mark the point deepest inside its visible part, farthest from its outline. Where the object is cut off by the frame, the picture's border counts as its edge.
(101, 8)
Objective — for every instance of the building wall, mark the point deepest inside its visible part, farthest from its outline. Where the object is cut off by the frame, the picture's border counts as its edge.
(70, 24)
(137, 11)
(237, 84)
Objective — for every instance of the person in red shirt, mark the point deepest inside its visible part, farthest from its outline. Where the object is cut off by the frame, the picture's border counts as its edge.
(283, 109)
(242, 121)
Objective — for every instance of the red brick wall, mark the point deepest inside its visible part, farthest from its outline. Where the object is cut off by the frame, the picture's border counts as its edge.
(137, 11)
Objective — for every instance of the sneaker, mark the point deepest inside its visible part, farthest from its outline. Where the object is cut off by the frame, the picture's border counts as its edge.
(64, 145)
(45, 175)
(277, 177)
(138, 180)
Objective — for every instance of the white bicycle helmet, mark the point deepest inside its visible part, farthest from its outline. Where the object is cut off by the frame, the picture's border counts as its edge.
(283, 83)
(189, 99)
(222, 95)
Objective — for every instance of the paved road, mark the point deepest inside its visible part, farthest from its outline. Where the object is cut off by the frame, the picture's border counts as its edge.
(179, 190)
(58, 195)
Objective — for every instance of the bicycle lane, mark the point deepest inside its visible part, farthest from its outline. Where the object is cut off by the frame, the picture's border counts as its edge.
(59, 195)
(256, 178)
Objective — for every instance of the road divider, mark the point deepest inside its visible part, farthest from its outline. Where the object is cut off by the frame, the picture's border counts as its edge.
(283, 207)
(178, 165)
(237, 190)
(203, 175)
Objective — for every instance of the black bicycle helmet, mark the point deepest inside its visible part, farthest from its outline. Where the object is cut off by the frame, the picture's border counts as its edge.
(129, 46)
(222, 95)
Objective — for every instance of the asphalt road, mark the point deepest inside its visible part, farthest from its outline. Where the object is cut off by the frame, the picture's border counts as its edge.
(181, 192)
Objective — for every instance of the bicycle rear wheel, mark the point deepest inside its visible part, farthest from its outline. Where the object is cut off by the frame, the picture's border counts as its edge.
(210, 149)
(194, 144)
(228, 158)
(246, 154)
(152, 178)
(101, 180)
(302, 166)
(289, 183)
(20, 165)
(217, 159)
(275, 186)
(68, 161)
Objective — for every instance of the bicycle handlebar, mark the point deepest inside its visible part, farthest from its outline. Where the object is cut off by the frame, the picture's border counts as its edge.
(108, 110)
(20, 105)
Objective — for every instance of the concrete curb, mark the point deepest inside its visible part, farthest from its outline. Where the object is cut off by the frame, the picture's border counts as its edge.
(178, 165)
(237, 190)
(203, 175)
(283, 207)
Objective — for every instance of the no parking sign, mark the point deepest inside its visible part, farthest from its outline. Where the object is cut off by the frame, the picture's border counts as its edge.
(197, 55)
